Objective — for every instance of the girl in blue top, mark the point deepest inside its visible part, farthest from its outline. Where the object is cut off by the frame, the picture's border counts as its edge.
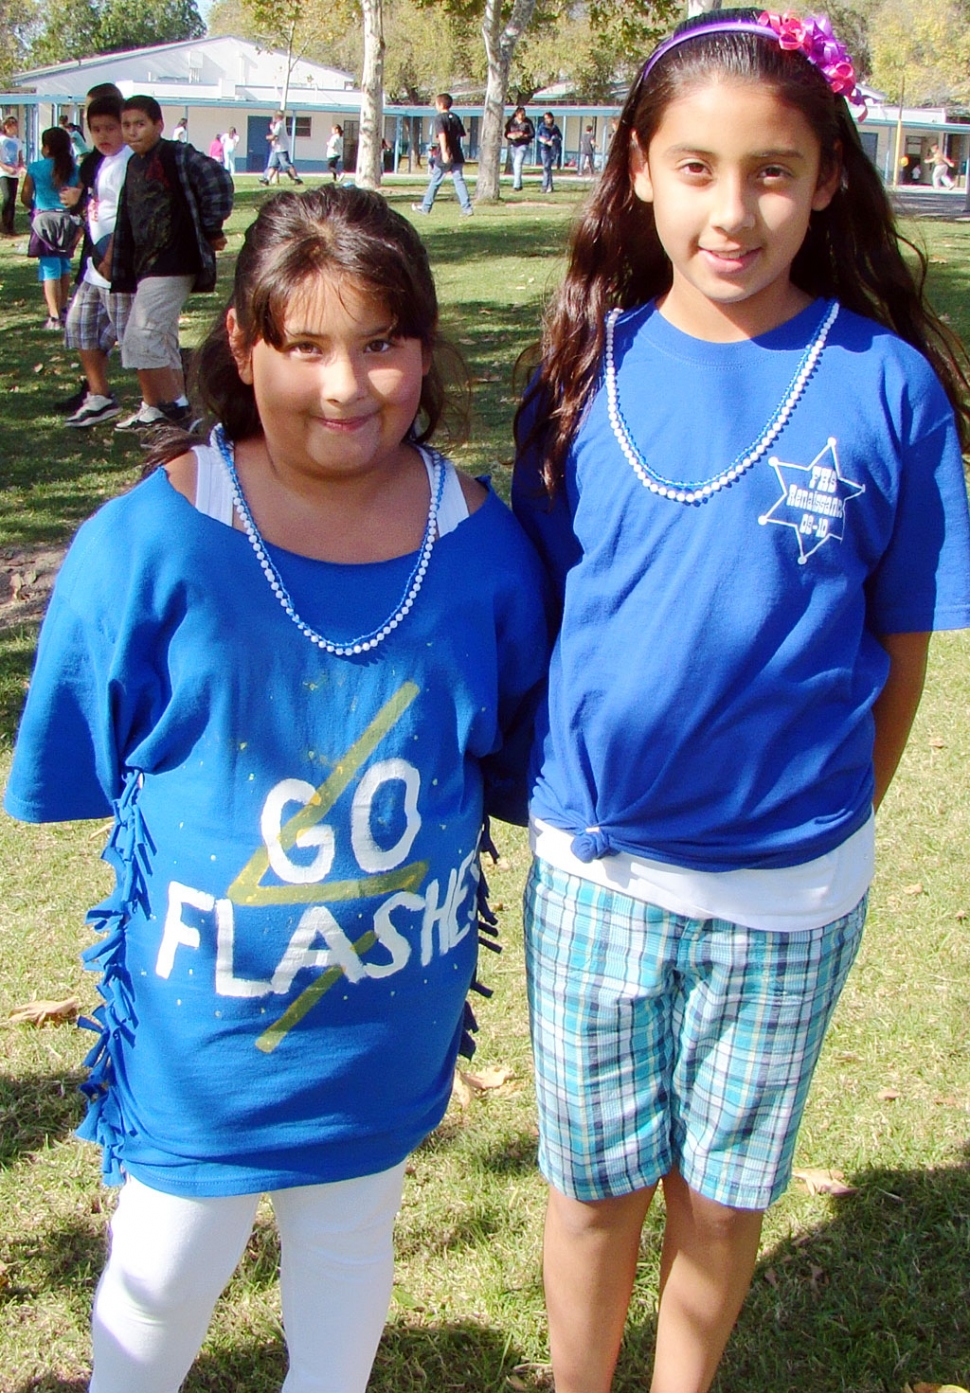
(741, 463)
(299, 663)
(41, 193)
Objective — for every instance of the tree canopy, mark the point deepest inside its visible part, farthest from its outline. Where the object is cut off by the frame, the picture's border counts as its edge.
(80, 28)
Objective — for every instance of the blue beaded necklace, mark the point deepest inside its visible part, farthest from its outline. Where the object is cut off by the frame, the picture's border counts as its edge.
(415, 580)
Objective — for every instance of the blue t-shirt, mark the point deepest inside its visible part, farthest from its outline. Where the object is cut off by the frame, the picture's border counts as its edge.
(292, 938)
(711, 689)
(47, 196)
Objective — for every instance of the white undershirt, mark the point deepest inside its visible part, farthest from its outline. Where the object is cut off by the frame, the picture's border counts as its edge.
(213, 490)
(788, 899)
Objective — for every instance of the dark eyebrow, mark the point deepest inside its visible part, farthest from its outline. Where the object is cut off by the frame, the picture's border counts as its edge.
(383, 331)
(781, 154)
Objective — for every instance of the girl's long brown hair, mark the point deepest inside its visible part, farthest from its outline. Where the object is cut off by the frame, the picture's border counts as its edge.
(57, 143)
(853, 250)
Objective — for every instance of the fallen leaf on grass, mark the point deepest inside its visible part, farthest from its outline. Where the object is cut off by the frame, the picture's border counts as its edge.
(823, 1182)
(771, 1277)
(4, 1276)
(460, 1091)
(948, 1102)
(961, 914)
(40, 1012)
(916, 889)
(937, 744)
(888, 1095)
(485, 1079)
(934, 1388)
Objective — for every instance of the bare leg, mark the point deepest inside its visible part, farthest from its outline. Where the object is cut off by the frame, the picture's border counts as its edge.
(95, 365)
(708, 1259)
(589, 1263)
(52, 297)
(64, 293)
(160, 384)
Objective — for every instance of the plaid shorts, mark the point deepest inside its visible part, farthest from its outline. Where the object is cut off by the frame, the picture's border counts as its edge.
(665, 1042)
(96, 318)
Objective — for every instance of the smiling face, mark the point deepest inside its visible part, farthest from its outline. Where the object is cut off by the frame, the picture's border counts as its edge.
(733, 174)
(140, 131)
(338, 397)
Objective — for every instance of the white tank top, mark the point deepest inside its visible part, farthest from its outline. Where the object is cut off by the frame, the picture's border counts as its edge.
(213, 491)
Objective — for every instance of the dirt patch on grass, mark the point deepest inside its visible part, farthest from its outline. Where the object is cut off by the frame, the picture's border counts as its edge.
(26, 577)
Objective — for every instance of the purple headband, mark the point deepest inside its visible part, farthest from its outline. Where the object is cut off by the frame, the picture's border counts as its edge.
(812, 37)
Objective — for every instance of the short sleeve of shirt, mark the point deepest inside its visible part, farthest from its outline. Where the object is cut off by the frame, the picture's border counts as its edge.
(64, 765)
(922, 581)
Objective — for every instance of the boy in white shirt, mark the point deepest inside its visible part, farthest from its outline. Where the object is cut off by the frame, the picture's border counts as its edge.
(97, 315)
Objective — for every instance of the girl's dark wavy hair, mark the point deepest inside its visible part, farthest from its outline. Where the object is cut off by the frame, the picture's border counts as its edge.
(332, 232)
(853, 250)
(57, 143)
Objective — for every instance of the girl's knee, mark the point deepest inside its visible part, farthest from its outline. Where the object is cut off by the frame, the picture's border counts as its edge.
(718, 1222)
(589, 1218)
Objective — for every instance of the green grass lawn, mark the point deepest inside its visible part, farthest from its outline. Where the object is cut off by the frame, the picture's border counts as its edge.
(854, 1295)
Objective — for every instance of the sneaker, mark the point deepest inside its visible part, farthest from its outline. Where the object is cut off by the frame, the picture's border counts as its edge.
(181, 417)
(176, 415)
(263, 181)
(420, 208)
(53, 325)
(468, 212)
(94, 410)
(141, 419)
(70, 404)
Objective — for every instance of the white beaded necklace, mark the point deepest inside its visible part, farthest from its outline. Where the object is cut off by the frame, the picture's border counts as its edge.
(700, 493)
(415, 580)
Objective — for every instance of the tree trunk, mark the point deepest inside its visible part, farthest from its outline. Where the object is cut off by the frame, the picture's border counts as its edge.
(369, 157)
(500, 44)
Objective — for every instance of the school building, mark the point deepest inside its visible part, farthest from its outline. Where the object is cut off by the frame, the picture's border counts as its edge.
(225, 81)
(215, 83)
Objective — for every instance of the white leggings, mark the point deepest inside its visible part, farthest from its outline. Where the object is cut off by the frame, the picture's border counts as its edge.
(171, 1257)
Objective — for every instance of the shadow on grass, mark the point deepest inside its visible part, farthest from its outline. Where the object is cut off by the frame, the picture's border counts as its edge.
(36, 1111)
(877, 1297)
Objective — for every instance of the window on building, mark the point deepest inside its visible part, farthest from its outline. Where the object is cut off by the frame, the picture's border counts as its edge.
(303, 124)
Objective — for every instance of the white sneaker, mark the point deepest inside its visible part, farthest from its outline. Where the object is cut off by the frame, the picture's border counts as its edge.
(141, 419)
(93, 410)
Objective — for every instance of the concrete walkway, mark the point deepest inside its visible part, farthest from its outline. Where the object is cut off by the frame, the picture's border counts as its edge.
(917, 201)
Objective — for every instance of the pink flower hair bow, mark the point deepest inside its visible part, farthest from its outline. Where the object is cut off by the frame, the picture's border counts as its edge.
(814, 38)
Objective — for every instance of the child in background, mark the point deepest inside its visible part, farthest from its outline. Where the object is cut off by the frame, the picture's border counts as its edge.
(279, 153)
(11, 165)
(78, 146)
(550, 149)
(97, 315)
(54, 237)
(335, 152)
(520, 133)
(217, 150)
(741, 461)
(300, 663)
(230, 141)
(169, 227)
(587, 154)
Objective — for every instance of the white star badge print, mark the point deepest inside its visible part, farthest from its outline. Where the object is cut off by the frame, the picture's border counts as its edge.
(813, 499)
